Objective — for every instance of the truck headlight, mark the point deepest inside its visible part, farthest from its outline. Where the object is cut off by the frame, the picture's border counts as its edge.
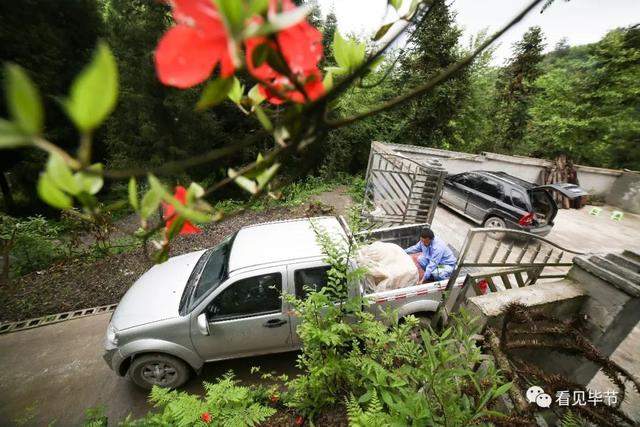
(112, 337)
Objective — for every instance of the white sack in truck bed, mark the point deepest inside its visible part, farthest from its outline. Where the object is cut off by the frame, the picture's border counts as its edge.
(388, 267)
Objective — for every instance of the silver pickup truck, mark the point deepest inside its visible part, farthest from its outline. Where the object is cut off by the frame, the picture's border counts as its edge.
(225, 302)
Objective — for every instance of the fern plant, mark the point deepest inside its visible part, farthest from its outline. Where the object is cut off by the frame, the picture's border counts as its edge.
(225, 404)
(373, 416)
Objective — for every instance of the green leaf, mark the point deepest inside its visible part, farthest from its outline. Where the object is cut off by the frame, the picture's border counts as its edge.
(23, 100)
(397, 4)
(255, 95)
(260, 54)
(349, 54)
(327, 81)
(266, 176)
(382, 31)
(258, 7)
(133, 194)
(233, 12)
(51, 194)
(214, 93)
(412, 9)
(502, 390)
(60, 174)
(91, 183)
(11, 136)
(244, 183)
(195, 191)
(236, 92)
(151, 200)
(263, 118)
(94, 92)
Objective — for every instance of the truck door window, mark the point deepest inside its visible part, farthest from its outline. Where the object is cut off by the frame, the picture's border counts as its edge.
(248, 297)
(314, 278)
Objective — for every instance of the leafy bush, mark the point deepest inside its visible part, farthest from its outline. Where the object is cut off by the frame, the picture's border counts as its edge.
(397, 370)
(225, 404)
(29, 244)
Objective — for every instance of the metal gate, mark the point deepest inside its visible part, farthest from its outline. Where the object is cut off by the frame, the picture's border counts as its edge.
(495, 259)
(400, 190)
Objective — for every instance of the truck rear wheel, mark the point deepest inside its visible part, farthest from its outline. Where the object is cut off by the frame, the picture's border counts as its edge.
(158, 369)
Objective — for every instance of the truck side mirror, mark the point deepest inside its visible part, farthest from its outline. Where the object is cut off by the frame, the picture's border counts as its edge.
(203, 324)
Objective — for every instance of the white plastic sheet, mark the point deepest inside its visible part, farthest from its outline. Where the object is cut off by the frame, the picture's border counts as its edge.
(388, 267)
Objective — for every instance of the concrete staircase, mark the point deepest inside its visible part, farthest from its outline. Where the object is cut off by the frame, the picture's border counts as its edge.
(620, 270)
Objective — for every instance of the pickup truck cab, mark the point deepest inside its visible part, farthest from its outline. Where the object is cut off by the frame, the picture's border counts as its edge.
(225, 302)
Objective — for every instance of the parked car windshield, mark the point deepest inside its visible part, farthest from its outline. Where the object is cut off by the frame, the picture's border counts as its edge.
(209, 272)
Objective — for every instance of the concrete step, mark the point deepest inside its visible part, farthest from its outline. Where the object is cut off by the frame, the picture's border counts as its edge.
(625, 262)
(632, 255)
(622, 283)
(620, 270)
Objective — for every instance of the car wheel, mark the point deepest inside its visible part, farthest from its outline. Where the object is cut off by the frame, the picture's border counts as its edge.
(158, 369)
(495, 222)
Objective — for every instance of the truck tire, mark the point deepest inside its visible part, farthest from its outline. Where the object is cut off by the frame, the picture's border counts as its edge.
(158, 369)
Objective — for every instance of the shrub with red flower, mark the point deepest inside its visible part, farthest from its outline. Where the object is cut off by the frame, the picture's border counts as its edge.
(206, 417)
(170, 215)
(188, 53)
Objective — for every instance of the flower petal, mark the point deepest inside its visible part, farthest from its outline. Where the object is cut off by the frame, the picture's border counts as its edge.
(196, 13)
(301, 47)
(185, 58)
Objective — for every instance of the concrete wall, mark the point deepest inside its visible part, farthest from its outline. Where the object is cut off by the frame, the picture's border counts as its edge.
(625, 192)
(597, 181)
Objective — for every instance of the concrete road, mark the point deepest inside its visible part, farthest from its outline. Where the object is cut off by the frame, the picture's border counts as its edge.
(56, 372)
(573, 229)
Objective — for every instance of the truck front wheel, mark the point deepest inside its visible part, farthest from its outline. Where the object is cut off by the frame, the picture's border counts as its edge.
(158, 369)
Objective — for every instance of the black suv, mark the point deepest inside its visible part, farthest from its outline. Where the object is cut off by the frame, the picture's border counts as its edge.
(497, 199)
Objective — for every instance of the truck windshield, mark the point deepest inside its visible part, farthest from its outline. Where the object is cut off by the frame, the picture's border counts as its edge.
(208, 274)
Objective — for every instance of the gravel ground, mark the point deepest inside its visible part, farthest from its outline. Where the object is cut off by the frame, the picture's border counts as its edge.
(82, 283)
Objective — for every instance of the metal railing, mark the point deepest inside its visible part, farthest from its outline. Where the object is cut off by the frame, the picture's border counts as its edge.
(504, 259)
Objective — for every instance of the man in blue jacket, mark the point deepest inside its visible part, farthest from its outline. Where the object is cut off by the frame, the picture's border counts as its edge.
(436, 258)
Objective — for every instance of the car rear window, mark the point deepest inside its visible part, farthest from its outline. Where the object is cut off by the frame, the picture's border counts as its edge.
(519, 200)
(542, 205)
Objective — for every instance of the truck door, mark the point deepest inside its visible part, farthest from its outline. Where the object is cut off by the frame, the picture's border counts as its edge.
(245, 318)
(305, 277)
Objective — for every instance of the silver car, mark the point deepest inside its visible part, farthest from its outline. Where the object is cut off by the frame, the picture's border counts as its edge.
(225, 302)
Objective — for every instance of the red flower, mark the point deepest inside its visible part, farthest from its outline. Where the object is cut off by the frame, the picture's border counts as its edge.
(274, 398)
(299, 420)
(188, 53)
(206, 417)
(301, 48)
(169, 213)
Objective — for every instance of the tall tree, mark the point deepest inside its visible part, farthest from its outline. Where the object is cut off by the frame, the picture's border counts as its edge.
(153, 124)
(53, 43)
(587, 103)
(515, 89)
(434, 46)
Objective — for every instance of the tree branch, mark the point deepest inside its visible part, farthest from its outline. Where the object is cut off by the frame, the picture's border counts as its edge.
(440, 77)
